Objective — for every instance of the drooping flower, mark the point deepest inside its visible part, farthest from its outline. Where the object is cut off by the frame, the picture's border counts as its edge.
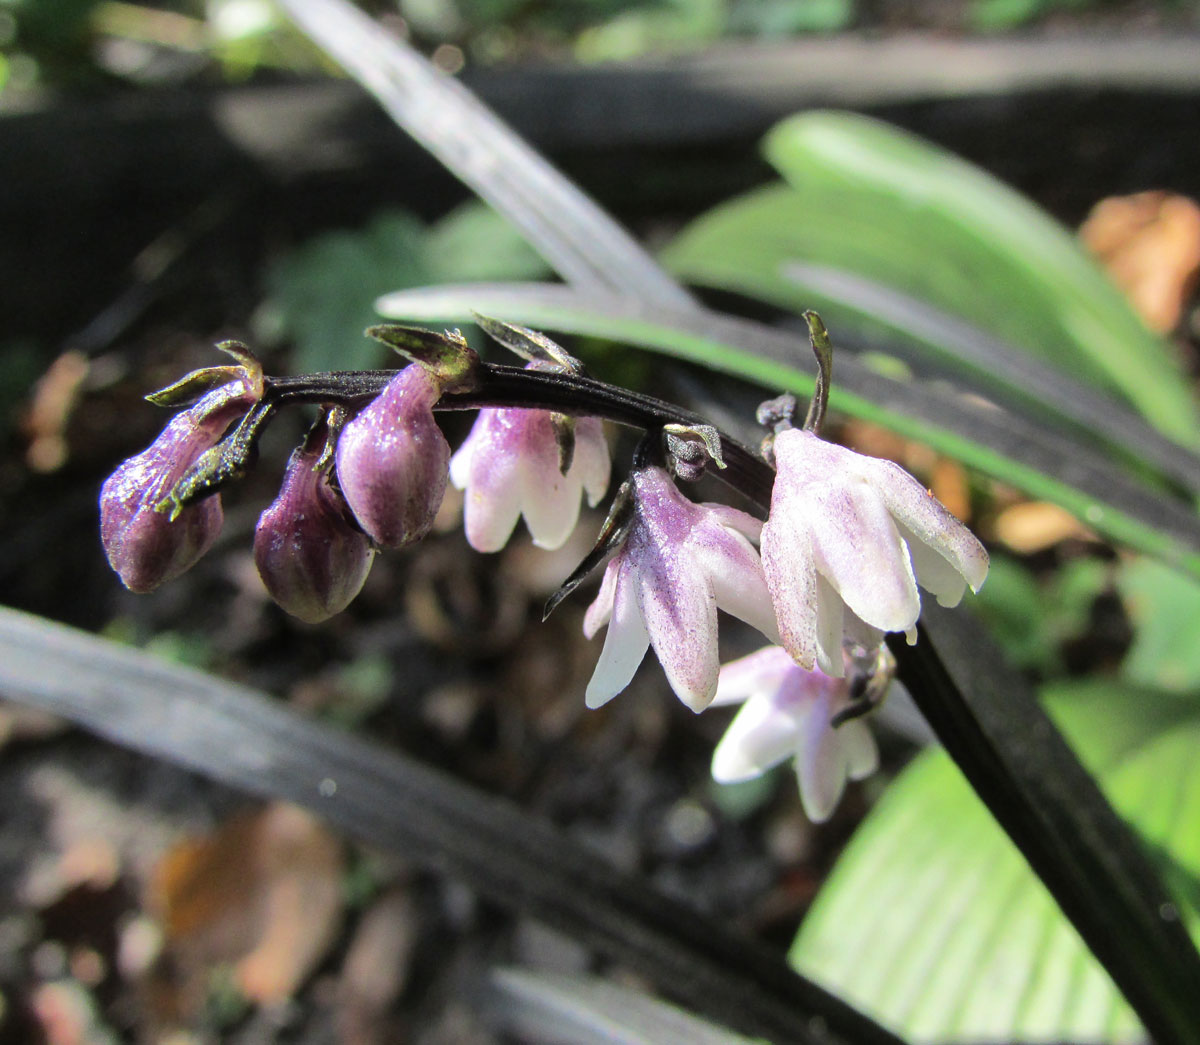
(312, 559)
(680, 563)
(789, 712)
(145, 543)
(509, 467)
(847, 541)
(392, 460)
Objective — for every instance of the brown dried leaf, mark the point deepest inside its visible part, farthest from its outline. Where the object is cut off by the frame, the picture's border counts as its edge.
(1036, 525)
(263, 892)
(1150, 244)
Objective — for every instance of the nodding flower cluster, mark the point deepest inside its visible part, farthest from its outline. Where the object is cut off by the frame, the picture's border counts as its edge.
(836, 565)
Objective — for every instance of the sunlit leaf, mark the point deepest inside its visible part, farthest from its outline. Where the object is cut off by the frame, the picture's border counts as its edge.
(932, 921)
(1165, 608)
(866, 202)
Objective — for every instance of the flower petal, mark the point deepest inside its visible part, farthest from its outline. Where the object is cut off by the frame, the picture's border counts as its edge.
(791, 576)
(858, 549)
(820, 765)
(761, 672)
(681, 615)
(929, 522)
(600, 611)
(624, 645)
(762, 734)
(592, 464)
(830, 629)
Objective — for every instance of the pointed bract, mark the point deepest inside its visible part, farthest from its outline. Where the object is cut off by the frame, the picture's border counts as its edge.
(788, 713)
(144, 545)
(680, 563)
(393, 461)
(848, 540)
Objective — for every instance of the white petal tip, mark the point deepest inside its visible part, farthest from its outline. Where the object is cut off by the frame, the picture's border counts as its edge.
(911, 635)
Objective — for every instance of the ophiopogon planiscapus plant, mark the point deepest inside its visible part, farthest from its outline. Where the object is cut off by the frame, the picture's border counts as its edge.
(835, 567)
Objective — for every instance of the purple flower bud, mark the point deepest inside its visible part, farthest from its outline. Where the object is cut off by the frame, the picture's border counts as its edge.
(144, 545)
(393, 461)
(310, 556)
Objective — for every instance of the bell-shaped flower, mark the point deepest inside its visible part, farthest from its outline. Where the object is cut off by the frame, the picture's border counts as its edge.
(680, 563)
(789, 712)
(312, 559)
(392, 460)
(146, 544)
(509, 466)
(847, 541)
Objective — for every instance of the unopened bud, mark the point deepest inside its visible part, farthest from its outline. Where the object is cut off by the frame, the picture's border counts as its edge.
(393, 461)
(145, 545)
(311, 557)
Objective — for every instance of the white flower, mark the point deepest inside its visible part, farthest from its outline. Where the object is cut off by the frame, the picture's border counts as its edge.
(680, 562)
(846, 543)
(509, 467)
(788, 713)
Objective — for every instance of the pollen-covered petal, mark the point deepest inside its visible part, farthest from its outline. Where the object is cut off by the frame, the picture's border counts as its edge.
(592, 465)
(757, 673)
(681, 615)
(791, 576)
(928, 521)
(762, 734)
(624, 645)
(858, 548)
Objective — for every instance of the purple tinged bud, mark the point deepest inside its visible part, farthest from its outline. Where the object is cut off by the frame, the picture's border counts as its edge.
(311, 557)
(393, 461)
(144, 545)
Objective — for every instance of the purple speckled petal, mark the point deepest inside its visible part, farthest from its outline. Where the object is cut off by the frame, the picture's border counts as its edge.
(858, 549)
(738, 521)
(791, 575)
(681, 616)
(624, 645)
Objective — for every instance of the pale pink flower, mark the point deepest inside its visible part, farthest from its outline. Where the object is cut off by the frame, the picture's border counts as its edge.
(680, 563)
(788, 713)
(509, 467)
(847, 541)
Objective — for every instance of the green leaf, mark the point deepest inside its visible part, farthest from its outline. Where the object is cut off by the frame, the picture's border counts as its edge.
(1041, 463)
(866, 200)
(1165, 609)
(933, 922)
(326, 289)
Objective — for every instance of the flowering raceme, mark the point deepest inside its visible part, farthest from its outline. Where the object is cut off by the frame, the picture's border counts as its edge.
(788, 712)
(680, 563)
(846, 543)
(509, 467)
